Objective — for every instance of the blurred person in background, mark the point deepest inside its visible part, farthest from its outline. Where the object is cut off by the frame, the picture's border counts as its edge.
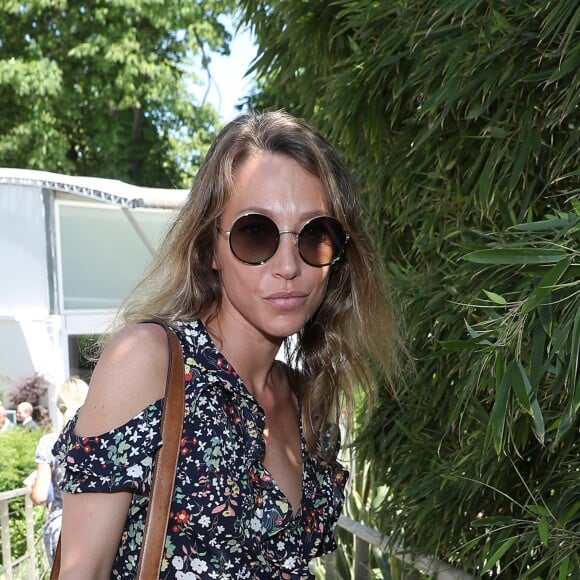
(49, 474)
(5, 422)
(24, 416)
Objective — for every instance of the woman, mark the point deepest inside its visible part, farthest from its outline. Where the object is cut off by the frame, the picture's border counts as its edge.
(48, 476)
(269, 245)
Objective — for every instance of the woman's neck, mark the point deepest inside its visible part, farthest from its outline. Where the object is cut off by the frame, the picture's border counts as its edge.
(251, 354)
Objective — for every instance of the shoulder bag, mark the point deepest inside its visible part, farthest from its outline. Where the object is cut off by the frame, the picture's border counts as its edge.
(163, 477)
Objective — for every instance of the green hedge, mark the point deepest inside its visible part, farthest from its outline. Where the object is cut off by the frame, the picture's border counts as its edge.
(17, 460)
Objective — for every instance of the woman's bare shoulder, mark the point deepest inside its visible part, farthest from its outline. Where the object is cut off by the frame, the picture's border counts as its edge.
(129, 375)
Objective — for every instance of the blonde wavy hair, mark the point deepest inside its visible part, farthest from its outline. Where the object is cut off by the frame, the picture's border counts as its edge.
(353, 331)
(71, 396)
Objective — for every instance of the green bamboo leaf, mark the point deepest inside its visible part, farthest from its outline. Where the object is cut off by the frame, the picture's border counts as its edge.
(497, 521)
(498, 132)
(495, 298)
(520, 153)
(570, 513)
(454, 345)
(543, 226)
(499, 370)
(568, 418)
(380, 495)
(487, 178)
(537, 363)
(546, 285)
(515, 256)
(498, 554)
(358, 501)
(539, 510)
(543, 531)
(478, 335)
(520, 386)
(564, 565)
(498, 412)
(524, 393)
(538, 421)
(574, 362)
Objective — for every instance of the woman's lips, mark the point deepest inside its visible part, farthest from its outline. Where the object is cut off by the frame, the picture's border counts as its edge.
(287, 300)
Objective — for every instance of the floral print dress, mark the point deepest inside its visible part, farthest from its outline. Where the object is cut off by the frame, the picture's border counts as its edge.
(229, 518)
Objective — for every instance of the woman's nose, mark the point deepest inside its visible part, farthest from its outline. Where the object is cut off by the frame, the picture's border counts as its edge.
(286, 261)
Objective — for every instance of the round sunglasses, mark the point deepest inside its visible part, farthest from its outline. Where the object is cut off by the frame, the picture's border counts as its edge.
(254, 239)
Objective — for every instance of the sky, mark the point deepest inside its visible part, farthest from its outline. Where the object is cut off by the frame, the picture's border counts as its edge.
(228, 85)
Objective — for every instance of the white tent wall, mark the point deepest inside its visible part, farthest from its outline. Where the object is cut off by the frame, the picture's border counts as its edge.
(28, 339)
(23, 249)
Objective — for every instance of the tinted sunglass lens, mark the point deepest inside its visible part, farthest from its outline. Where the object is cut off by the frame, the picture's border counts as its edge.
(321, 241)
(254, 239)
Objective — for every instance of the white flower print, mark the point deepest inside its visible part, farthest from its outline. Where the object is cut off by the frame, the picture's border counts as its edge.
(255, 524)
(135, 471)
(177, 562)
(204, 521)
(198, 565)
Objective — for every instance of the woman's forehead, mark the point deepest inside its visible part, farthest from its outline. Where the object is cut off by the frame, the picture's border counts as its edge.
(274, 182)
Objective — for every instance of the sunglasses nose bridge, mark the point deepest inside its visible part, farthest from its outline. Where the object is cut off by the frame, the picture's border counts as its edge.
(295, 249)
(293, 233)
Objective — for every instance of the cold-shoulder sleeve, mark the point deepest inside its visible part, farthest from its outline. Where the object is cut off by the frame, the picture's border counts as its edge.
(120, 459)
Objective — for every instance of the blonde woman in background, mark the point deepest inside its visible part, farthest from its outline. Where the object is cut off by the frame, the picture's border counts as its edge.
(46, 487)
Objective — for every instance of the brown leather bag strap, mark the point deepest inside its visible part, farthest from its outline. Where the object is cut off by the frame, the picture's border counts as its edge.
(163, 478)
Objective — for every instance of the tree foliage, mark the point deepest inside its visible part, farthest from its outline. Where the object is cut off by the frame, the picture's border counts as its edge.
(461, 119)
(105, 89)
